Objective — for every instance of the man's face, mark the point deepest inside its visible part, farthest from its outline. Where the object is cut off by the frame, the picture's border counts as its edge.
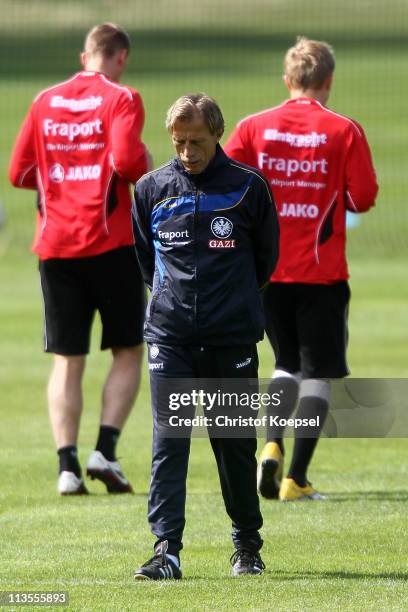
(194, 144)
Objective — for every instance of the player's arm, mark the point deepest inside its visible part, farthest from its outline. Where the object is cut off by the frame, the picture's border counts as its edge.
(141, 218)
(129, 156)
(361, 181)
(23, 164)
(239, 145)
(265, 231)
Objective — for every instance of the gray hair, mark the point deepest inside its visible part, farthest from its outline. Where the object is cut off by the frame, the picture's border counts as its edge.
(189, 106)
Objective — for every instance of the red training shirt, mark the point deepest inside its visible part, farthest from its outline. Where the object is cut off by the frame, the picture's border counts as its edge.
(80, 146)
(318, 164)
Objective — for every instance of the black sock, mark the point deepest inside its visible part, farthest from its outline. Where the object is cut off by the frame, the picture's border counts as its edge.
(287, 388)
(309, 408)
(107, 439)
(68, 460)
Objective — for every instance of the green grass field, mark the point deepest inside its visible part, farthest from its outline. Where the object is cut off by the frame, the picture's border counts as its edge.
(349, 553)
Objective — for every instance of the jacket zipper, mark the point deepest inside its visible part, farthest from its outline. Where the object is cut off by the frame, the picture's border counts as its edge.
(196, 213)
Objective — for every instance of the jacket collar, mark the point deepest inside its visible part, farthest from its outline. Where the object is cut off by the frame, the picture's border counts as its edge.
(219, 160)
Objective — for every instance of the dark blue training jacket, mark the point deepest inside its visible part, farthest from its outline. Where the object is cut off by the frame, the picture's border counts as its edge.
(206, 243)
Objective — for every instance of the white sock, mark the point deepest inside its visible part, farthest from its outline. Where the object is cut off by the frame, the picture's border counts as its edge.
(174, 559)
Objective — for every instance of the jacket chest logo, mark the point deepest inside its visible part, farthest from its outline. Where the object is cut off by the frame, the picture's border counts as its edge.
(221, 227)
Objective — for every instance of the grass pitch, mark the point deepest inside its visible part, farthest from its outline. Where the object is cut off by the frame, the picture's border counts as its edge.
(348, 553)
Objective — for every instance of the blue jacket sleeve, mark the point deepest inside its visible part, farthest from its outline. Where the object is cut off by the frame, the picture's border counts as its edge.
(142, 231)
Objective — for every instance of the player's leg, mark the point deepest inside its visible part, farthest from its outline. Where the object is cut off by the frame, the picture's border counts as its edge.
(68, 317)
(65, 399)
(322, 326)
(313, 407)
(271, 459)
(120, 391)
(170, 455)
(118, 396)
(119, 295)
(236, 457)
(279, 307)
(65, 407)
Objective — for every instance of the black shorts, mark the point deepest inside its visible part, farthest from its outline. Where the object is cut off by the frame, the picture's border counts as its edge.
(73, 289)
(307, 327)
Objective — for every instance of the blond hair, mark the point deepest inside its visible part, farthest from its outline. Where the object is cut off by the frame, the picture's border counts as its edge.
(309, 63)
(106, 39)
(189, 106)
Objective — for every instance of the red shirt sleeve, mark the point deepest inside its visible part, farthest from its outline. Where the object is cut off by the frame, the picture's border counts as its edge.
(239, 145)
(23, 163)
(128, 151)
(361, 181)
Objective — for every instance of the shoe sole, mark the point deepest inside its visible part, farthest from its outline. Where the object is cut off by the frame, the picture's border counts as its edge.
(109, 480)
(143, 577)
(304, 498)
(81, 491)
(236, 575)
(268, 483)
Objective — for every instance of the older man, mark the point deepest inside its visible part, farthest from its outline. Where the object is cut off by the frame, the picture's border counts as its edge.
(207, 239)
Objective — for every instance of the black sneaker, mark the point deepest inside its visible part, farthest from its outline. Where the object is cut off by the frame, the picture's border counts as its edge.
(246, 561)
(159, 567)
